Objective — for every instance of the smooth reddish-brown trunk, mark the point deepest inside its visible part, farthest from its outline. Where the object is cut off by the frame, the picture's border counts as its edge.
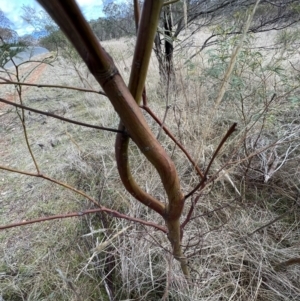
(68, 16)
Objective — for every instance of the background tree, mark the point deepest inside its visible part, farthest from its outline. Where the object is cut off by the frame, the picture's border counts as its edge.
(193, 16)
(28, 40)
(10, 45)
(120, 19)
(6, 33)
(47, 32)
(188, 17)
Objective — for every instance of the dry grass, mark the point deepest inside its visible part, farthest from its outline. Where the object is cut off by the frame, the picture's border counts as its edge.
(56, 260)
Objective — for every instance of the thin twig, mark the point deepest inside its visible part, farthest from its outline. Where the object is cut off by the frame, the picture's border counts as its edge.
(204, 182)
(159, 122)
(167, 105)
(22, 119)
(164, 119)
(170, 2)
(229, 132)
(48, 218)
(51, 180)
(59, 117)
(9, 82)
(44, 61)
(111, 212)
(272, 221)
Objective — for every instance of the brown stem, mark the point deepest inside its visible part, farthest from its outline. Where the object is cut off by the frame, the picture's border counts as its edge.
(137, 13)
(9, 82)
(27, 173)
(22, 118)
(113, 213)
(128, 181)
(136, 86)
(68, 16)
(203, 182)
(191, 210)
(158, 121)
(229, 132)
(48, 218)
(59, 117)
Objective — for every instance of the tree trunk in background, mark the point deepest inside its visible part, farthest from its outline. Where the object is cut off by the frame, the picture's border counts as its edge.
(165, 54)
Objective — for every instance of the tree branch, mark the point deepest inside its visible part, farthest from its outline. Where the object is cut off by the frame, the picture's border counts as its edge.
(170, 2)
(48, 218)
(229, 132)
(166, 130)
(9, 82)
(69, 17)
(112, 212)
(59, 117)
(136, 86)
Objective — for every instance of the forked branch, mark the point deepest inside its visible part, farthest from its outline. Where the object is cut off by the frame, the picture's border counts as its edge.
(70, 19)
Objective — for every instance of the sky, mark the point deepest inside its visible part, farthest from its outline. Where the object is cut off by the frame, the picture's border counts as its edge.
(92, 9)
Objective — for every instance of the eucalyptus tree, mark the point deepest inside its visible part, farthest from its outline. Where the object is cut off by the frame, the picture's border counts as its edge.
(188, 17)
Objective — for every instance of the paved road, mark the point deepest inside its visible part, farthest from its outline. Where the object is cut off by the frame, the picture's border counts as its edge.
(26, 55)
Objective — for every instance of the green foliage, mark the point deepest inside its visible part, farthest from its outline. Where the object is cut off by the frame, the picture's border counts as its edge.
(287, 39)
(251, 71)
(118, 22)
(53, 40)
(56, 41)
(8, 51)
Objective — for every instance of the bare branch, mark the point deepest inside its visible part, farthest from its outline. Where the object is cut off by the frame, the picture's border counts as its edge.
(170, 2)
(151, 113)
(27, 173)
(59, 117)
(9, 82)
(48, 218)
(229, 132)
(111, 212)
(22, 118)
